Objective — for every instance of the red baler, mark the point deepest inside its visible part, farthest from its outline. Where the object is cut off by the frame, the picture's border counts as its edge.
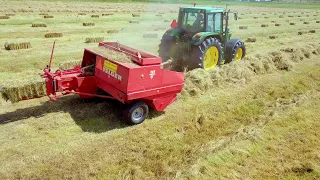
(141, 83)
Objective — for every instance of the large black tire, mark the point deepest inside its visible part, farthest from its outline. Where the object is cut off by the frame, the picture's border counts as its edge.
(164, 49)
(198, 54)
(136, 113)
(232, 48)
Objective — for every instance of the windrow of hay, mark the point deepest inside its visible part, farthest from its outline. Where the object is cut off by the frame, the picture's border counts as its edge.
(264, 25)
(38, 25)
(48, 16)
(88, 24)
(10, 14)
(198, 81)
(43, 14)
(82, 14)
(17, 93)
(94, 16)
(53, 35)
(4, 17)
(135, 15)
(150, 35)
(69, 64)
(112, 55)
(16, 46)
(94, 40)
(113, 31)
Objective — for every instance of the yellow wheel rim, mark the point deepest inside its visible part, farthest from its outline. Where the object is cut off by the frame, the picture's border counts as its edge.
(239, 54)
(211, 58)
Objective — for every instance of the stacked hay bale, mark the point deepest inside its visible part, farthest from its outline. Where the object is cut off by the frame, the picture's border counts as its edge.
(30, 90)
(4, 17)
(53, 35)
(113, 31)
(88, 24)
(16, 46)
(38, 25)
(48, 16)
(134, 21)
(135, 15)
(251, 40)
(107, 14)
(243, 27)
(94, 40)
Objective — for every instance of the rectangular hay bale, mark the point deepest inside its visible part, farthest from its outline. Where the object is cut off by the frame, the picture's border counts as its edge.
(53, 35)
(94, 40)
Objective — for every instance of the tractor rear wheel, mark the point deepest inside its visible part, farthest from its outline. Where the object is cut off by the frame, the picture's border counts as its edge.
(207, 55)
(136, 113)
(235, 50)
(164, 49)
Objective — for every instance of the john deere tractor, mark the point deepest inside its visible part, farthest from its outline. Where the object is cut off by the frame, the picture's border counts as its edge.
(201, 39)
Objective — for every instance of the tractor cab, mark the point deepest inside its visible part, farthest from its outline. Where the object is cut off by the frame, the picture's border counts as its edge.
(196, 19)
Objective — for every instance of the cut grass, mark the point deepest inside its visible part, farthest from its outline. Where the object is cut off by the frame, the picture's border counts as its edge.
(180, 142)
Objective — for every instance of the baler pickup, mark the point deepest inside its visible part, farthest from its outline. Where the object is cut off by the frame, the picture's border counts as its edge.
(116, 71)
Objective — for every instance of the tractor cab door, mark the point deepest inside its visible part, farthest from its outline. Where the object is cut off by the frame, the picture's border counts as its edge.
(214, 22)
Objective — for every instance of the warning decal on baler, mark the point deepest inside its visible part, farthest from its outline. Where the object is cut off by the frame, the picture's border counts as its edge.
(111, 69)
(109, 65)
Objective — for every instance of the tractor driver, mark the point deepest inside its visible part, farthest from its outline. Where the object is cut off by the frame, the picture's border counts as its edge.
(198, 23)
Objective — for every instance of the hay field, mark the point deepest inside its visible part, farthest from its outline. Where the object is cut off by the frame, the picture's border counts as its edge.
(270, 131)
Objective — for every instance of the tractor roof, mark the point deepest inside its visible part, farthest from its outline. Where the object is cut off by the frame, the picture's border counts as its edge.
(205, 9)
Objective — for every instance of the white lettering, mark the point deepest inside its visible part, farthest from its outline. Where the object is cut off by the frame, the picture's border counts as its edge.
(113, 74)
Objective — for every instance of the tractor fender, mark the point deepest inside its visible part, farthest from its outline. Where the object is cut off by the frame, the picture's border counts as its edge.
(229, 46)
(197, 41)
(171, 34)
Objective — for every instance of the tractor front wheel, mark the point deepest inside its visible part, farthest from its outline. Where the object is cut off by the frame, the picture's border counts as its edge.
(207, 55)
(136, 113)
(235, 50)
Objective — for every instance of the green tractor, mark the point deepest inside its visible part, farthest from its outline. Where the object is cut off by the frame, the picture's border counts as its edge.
(201, 39)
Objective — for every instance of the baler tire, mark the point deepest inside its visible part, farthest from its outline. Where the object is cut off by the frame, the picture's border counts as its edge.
(136, 113)
(200, 52)
(232, 49)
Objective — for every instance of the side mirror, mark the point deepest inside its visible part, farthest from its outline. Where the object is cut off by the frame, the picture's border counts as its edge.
(235, 16)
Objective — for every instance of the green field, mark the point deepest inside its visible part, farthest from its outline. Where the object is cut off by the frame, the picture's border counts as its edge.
(255, 119)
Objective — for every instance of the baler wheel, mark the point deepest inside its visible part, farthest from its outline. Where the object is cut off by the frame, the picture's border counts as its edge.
(136, 113)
